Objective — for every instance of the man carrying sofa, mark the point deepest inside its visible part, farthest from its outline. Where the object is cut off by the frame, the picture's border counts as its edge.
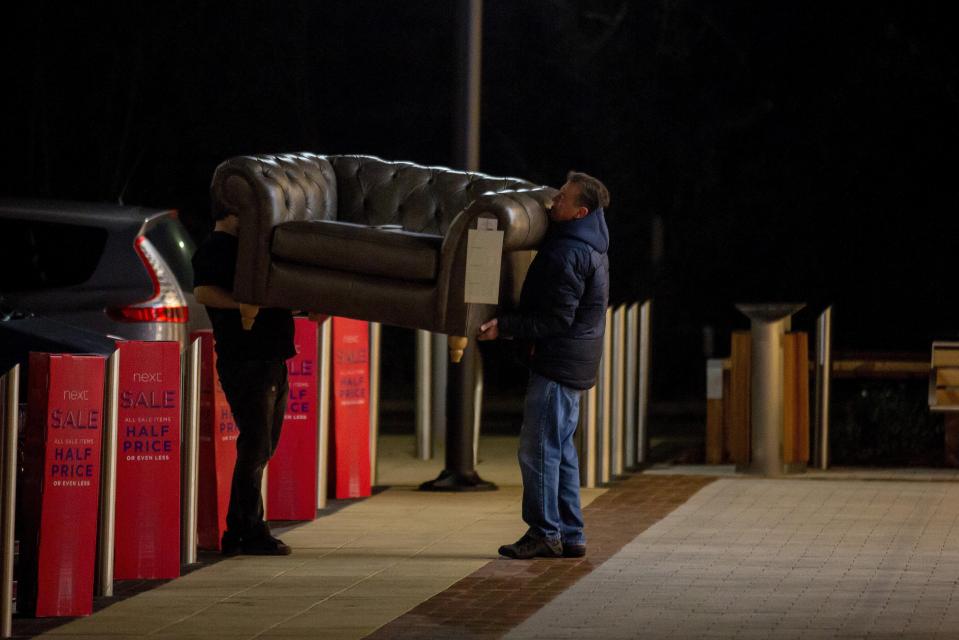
(252, 369)
(562, 314)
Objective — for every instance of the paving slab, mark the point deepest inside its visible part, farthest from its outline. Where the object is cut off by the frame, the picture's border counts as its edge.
(503, 593)
(682, 552)
(880, 561)
(351, 571)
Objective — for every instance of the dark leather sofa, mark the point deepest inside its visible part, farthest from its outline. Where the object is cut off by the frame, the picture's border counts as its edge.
(365, 238)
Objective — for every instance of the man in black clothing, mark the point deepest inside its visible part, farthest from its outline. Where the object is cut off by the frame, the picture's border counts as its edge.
(252, 369)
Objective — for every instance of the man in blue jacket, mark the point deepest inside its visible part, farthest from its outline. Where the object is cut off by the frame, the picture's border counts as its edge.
(562, 315)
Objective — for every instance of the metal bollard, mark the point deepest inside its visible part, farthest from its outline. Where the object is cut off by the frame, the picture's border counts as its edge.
(823, 381)
(424, 404)
(11, 407)
(191, 454)
(265, 490)
(632, 358)
(617, 397)
(645, 357)
(767, 397)
(587, 438)
(375, 333)
(439, 370)
(477, 404)
(323, 415)
(604, 402)
(108, 480)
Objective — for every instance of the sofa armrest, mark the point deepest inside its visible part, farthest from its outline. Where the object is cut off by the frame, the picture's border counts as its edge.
(520, 214)
(265, 191)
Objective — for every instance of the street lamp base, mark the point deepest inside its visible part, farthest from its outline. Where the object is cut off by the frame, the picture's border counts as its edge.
(458, 481)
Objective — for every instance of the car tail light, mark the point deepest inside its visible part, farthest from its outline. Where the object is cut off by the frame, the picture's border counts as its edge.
(167, 303)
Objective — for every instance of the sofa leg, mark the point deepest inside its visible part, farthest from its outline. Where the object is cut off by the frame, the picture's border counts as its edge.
(248, 315)
(457, 345)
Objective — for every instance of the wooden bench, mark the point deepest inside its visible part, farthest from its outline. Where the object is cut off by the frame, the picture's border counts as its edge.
(728, 404)
(944, 394)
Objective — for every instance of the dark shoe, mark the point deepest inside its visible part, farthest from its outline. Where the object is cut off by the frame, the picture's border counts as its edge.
(574, 550)
(230, 543)
(529, 547)
(265, 546)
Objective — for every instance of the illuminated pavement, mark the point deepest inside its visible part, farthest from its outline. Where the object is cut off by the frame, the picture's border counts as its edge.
(778, 559)
(837, 555)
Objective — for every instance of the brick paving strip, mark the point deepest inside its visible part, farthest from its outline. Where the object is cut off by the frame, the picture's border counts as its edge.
(503, 593)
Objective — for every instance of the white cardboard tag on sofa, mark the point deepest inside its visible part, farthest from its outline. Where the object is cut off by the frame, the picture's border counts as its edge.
(484, 251)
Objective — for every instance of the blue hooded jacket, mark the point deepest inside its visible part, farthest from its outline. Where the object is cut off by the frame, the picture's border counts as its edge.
(562, 309)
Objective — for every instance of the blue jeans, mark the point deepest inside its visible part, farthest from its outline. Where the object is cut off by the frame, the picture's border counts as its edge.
(548, 462)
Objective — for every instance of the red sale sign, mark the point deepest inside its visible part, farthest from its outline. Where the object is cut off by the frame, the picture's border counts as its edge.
(291, 484)
(148, 461)
(350, 447)
(218, 435)
(60, 488)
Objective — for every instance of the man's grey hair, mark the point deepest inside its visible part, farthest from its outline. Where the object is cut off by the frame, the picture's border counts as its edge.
(592, 193)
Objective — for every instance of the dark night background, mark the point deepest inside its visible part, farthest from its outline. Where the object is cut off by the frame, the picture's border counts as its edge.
(754, 150)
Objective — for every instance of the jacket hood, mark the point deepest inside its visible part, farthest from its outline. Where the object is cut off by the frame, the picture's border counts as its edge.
(591, 229)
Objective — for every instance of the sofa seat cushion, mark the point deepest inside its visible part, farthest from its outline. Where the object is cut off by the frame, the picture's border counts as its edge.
(387, 251)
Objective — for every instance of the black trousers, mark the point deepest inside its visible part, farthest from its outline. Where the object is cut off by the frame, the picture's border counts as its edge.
(257, 392)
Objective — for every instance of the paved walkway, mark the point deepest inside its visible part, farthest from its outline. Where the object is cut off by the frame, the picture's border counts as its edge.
(351, 571)
(778, 559)
(671, 556)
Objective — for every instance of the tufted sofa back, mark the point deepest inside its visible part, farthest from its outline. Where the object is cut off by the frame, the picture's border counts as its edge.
(349, 188)
(371, 191)
(280, 188)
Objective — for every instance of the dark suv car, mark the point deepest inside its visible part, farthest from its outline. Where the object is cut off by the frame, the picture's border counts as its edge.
(120, 271)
